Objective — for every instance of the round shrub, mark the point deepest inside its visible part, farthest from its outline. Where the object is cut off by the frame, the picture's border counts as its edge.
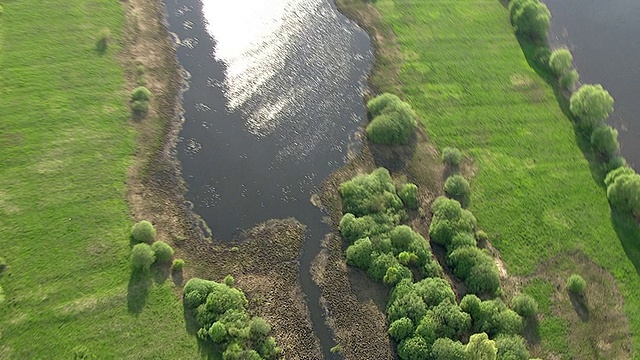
(229, 280)
(457, 187)
(143, 232)
(590, 104)
(483, 279)
(560, 61)
(531, 18)
(396, 273)
(140, 93)
(408, 193)
(604, 141)
(218, 332)
(401, 329)
(434, 291)
(462, 239)
(259, 328)
(414, 348)
(142, 256)
(452, 156)
(177, 265)
(447, 349)
(525, 306)
(379, 103)
(359, 254)
(576, 284)
(615, 173)
(481, 347)
(163, 251)
(511, 347)
(615, 162)
(569, 79)
(392, 128)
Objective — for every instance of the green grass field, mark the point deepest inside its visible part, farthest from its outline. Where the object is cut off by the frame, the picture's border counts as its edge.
(533, 193)
(65, 146)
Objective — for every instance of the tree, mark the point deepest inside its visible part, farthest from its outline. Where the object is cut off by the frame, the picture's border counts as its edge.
(408, 193)
(415, 348)
(401, 329)
(511, 347)
(569, 79)
(457, 187)
(409, 305)
(604, 141)
(590, 104)
(615, 173)
(163, 251)
(447, 349)
(359, 254)
(452, 156)
(560, 61)
(576, 284)
(532, 18)
(142, 256)
(481, 348)
(379, 103)
(525, 306)
(434, 291)
(394, 126)
(143, 232)
(624, 193)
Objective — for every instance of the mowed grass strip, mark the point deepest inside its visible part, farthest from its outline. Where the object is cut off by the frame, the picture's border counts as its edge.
(65, 147)
(534, 194)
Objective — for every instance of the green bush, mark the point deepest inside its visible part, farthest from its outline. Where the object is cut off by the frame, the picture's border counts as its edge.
(218, 332)
(140, 93)
(143, 232)
(163, 251)
(604, 141)
(615, 162)
(457, 187)
(142, 256)
(409, 305)
(624, 193)
(444, 320)
(483, 279)
(229, 281)
(359, 254)
(591, 104)
(452, 156)
(394, 121)
(177, 265)
(569, 79)
(480, 347)
(541, 57)
(408, 193)
(370, 193)
(615, 173)
(530, 18)
(447, 349)
(576, 284)
(525, 306)
(102, 40)
(434, 291)
(560, 61)
(415, 348)
(401, 329)
(511, 347)
(491, 316)
(380, 103)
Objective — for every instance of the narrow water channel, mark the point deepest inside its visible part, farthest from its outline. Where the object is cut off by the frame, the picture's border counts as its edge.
(273, 107)
(604, 38)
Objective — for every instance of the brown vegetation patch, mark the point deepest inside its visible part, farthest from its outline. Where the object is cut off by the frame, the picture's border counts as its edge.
(264, 260)
(598, 326)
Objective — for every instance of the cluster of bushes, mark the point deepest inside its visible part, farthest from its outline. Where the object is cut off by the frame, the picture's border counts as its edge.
(530, 18)
(140, 100)
(623, 190)
(147, 252)
(394, 122)
(221, 311)
(453, 227)
(424, 319)
(378, 244)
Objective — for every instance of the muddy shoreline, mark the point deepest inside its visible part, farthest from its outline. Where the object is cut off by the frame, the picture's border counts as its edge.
(265, 259)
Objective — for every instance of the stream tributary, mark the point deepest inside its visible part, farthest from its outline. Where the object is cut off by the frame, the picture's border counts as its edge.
(273, 107)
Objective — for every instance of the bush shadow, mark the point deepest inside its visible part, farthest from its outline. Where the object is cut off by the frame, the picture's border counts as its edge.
(207, 349)
(580, 305)
(531, 331)
(393, 157)
(160, 272)
(138, 290)
(628, 231)
(177, 277)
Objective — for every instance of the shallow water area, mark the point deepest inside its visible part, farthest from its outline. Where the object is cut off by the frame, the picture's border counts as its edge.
(274, 105)
(604, 38)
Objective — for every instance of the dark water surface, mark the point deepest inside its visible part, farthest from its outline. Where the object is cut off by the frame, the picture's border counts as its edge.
(604, 38)
(273, 106)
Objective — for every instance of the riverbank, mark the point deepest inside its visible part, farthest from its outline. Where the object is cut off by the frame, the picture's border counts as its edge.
(264, 260)
(464, 72)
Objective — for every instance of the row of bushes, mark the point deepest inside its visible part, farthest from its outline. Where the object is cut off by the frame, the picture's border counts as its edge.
(394, 121)
(591, 105)
(424, 319)
(221, 311)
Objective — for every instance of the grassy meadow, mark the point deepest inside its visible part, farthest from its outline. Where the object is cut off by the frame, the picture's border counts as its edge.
(533, 192)
(65, 147)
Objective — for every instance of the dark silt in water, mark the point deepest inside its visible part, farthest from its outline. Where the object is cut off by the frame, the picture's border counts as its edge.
(273, 107)
(604, 38)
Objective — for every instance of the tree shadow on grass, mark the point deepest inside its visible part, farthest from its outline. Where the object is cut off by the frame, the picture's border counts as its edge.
(580, 305)
(394, 158)
(628, 231)
(207, 349)
(177, 277)
(531, 331)
(160, 272)
(138, 290)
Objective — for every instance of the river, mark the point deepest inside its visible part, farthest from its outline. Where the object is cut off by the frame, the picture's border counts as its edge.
(604, 38)
(273, 107)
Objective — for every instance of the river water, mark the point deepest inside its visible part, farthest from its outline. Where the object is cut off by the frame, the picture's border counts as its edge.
(604, 38)
(273, 107)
